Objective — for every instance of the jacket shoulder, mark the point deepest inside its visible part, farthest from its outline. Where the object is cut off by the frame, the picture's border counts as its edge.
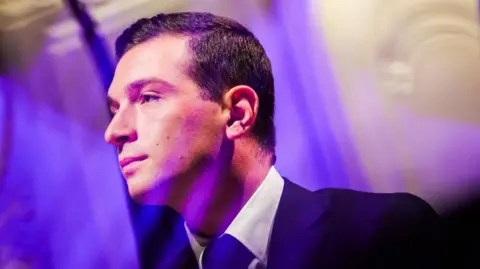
(400, 202)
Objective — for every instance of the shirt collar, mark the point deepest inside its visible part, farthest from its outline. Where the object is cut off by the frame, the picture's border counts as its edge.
(253, 224)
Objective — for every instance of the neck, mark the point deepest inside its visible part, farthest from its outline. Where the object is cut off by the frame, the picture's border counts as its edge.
(219, 195)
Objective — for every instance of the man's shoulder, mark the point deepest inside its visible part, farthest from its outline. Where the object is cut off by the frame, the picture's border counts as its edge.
(367, 203)
(350, 195)
(397, 200)
(362, 228)
(393, 206)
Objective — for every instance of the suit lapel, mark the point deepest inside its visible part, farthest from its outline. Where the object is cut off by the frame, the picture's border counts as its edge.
(300, 226)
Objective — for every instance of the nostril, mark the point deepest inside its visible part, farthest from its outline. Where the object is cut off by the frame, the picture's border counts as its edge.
(122, 139)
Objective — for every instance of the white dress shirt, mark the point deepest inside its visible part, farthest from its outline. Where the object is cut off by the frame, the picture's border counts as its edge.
(253, 224)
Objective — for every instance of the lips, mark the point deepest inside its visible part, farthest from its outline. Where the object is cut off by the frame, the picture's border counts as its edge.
(124, 162)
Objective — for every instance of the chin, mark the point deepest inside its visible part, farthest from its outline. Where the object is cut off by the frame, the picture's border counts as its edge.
(146, 191)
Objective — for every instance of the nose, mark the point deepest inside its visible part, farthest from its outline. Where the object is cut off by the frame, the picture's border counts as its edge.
(121, 130)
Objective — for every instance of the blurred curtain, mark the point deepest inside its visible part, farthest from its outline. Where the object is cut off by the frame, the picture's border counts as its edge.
(375, 95)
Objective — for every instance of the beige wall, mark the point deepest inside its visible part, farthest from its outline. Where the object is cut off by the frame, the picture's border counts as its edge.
(408, 75)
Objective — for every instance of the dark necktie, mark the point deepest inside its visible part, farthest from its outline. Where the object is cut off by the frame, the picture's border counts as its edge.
(226, 252)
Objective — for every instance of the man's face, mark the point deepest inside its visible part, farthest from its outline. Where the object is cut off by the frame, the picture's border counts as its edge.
(162, 128)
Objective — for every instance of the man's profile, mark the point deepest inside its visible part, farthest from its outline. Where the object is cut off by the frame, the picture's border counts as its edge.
(192, 104)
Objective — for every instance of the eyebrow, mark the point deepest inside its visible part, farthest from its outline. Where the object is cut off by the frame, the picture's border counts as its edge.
(136, 85)
(141, 83)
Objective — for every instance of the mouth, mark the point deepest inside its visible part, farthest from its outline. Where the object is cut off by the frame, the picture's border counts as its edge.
(131, 161)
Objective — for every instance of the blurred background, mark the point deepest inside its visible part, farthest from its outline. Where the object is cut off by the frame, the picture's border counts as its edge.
(372, 95)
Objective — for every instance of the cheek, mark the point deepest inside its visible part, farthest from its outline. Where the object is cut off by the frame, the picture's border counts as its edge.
(204, 123)
(178, 129)
(200, 134)
(162, 132)
(181, 131)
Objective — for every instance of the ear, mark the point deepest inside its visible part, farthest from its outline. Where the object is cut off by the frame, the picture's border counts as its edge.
(242, 106)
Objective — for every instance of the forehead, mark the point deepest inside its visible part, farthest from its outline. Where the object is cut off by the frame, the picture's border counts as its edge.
(165, 57)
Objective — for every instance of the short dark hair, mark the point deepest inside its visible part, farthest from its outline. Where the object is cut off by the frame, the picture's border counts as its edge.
(224, 54)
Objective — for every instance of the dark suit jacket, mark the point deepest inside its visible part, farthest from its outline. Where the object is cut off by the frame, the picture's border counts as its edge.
(462, 230)
(328, 228)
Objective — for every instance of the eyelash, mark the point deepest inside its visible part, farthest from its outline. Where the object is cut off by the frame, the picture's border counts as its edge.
(144, 98)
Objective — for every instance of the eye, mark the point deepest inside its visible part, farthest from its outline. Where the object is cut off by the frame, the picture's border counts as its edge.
(113, 113)
(113, 110)
(148, 98)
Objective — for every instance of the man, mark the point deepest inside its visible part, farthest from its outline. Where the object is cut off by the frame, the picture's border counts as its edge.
(192, 101)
